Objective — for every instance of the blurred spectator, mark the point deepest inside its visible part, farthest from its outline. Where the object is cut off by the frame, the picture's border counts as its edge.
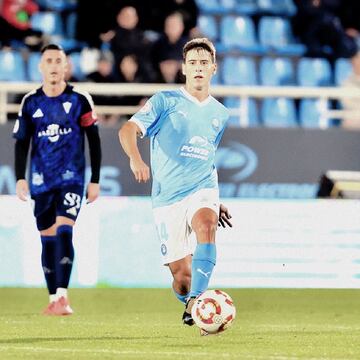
(352, 104)
(130, 71)
(318, 24)
(15, 23)
(167, 50)
(170, 72)
(350, 18)
(69, 74)
(104, 72)
(127, 38)
(94, 19)
(153, 13)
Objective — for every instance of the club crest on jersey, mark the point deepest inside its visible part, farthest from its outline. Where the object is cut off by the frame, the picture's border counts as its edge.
(53, 132)
(67, 106)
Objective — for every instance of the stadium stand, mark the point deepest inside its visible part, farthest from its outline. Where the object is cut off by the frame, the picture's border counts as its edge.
(255, 44)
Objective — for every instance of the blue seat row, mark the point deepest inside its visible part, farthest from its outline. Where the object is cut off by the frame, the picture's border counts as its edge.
(281, 71)
(232, 70)
(278, 113)
(239, 33)
(277, 7)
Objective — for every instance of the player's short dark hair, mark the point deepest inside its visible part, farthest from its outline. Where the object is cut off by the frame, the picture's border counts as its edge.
(200, 43)
(52, 47)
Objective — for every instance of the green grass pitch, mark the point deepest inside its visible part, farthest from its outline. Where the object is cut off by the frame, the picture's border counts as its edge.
(145, 324)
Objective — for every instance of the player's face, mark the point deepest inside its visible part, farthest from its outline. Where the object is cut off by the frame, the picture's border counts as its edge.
(53, 66)
(198, 69)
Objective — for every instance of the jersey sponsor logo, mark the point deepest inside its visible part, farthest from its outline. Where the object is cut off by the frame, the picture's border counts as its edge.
(196, 148)
(53, 132)
(67, 106)
(16, 126)
(37, 179)
(73, 201)
(38, 113)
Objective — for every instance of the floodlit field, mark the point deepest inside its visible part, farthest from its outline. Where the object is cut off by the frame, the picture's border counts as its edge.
(145, 324)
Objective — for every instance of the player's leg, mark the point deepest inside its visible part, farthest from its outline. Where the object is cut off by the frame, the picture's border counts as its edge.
(68, 204)
(45, 214)
(204, 224)
(181, 273)
(203, 217)
(175, 245)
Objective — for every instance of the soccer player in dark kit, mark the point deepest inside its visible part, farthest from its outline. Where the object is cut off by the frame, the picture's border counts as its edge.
(54, 119)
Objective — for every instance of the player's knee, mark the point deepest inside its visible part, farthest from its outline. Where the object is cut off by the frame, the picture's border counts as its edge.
(206, 226)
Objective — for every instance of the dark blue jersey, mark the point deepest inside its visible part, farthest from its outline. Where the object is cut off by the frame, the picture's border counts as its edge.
(56, 128)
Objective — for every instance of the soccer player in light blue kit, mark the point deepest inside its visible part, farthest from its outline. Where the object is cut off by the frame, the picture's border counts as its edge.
(185, 127)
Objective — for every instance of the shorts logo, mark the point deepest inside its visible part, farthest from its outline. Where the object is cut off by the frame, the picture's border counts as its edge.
(73, 201)
(37, 179)
(163, 249)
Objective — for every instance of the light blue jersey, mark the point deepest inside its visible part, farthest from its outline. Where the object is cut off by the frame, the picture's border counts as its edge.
(184, 134)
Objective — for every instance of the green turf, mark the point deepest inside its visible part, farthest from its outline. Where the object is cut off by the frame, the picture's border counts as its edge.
(145, 324)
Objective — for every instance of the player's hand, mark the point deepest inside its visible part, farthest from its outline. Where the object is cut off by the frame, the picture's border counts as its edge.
(92, 192)
(140, 170)
(22, 189)
(224, 217)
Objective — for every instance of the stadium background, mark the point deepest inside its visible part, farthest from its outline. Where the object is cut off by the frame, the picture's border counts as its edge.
(286, 130)
(281, 139)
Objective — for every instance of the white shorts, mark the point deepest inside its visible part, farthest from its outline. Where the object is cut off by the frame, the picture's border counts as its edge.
(173, 223)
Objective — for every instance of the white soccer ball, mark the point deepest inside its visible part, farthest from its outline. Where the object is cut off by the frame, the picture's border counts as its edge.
(213, 311)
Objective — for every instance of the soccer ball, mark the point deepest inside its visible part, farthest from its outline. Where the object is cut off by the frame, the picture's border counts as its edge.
(213, 311)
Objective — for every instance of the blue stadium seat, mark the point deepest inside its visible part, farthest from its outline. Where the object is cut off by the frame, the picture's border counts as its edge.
(238, 33)
(238, 71)
(276, 71)
(246, 7)
(208, 26)
(314, 72)
(209, 7)
(278, 112)
(310, 112)
(48, 22)
(70, 25)
(276, 35)
(246, 112)
(57, 5)
(33, 67)
(228, 6)
(12, 66)
(277, 7)
(343, 69)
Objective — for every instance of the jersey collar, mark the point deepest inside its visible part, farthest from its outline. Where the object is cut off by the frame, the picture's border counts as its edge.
(193, 98)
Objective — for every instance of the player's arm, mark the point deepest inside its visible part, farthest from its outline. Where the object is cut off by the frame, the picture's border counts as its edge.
(224, 217)
(21, 152)
(93, 189)
(128, 139)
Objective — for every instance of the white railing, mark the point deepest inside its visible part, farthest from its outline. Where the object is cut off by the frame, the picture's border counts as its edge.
(244, 92)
